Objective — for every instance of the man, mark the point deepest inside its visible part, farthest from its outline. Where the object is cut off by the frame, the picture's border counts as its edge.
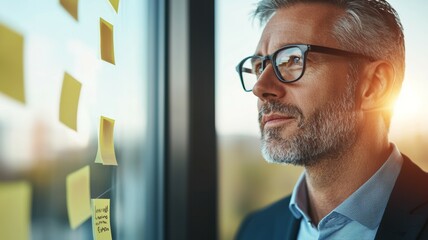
(326, 73)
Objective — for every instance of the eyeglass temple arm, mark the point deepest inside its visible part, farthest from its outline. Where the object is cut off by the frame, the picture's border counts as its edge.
(337, 52)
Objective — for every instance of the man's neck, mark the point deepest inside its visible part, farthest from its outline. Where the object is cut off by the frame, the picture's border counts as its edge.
(331, 181)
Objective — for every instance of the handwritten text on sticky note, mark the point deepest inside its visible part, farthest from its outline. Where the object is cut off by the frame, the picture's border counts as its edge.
(101, 219)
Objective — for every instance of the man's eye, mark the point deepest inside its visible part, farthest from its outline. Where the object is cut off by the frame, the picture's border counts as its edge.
(290, 61)
(295, 59)
(257, 69)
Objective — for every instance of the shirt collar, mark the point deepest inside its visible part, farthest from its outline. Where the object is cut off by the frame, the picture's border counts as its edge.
(367, 204)
(299, 199)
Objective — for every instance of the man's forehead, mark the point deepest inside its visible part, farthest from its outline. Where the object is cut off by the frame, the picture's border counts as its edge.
(309, 23)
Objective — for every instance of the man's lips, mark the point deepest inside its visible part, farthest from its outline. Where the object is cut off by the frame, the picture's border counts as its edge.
(273, 119)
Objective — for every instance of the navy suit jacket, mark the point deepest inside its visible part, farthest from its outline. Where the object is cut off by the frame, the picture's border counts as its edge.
(405, 216)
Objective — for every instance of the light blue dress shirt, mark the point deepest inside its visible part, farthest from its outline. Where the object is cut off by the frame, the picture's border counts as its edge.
(359, 216)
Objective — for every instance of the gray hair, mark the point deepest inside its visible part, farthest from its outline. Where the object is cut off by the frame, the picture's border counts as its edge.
(370, 27)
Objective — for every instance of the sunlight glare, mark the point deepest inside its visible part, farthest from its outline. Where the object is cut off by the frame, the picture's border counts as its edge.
(408, 105)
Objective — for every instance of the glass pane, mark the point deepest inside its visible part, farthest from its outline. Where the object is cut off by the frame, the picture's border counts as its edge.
(111, 68)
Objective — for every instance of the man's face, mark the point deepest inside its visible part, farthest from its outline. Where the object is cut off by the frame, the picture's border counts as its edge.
(314, 118)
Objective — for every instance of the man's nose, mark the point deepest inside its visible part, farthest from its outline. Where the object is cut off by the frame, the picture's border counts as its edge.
(268, 85)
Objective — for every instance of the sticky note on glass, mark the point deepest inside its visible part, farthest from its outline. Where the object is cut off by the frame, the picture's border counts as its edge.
(11, 64)
(69, 101)
(115, 4)
(101, 219)
(71, 6)
(106, 41)
(15, 208)
(78, 197)
(106, 154)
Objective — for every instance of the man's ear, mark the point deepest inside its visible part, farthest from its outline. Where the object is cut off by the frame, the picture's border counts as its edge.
(377, 86)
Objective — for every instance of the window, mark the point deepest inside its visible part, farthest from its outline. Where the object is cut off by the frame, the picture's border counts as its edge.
(37, 148)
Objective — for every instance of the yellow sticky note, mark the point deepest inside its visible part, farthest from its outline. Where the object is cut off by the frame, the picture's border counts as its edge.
(106, 154)
(115, 4)
(106, 41)
(78, 197)
(101, 229)
(11, 64)
(71, 6)
(15, 206)
(69, 102)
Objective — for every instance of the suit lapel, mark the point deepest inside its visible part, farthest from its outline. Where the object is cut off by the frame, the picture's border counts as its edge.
(286, 225)
(292, 229)
(407, 210)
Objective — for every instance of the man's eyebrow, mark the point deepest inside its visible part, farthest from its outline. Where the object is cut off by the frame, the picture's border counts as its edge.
(257, 53)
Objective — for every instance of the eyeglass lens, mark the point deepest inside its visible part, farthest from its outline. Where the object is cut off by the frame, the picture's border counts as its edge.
(288, 62)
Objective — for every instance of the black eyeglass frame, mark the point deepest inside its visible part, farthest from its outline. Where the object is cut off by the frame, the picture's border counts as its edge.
(305, 48)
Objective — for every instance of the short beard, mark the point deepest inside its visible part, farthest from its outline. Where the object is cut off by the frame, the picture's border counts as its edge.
(325, 134)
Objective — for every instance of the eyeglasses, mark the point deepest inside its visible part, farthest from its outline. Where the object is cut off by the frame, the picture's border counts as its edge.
(289, 63)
